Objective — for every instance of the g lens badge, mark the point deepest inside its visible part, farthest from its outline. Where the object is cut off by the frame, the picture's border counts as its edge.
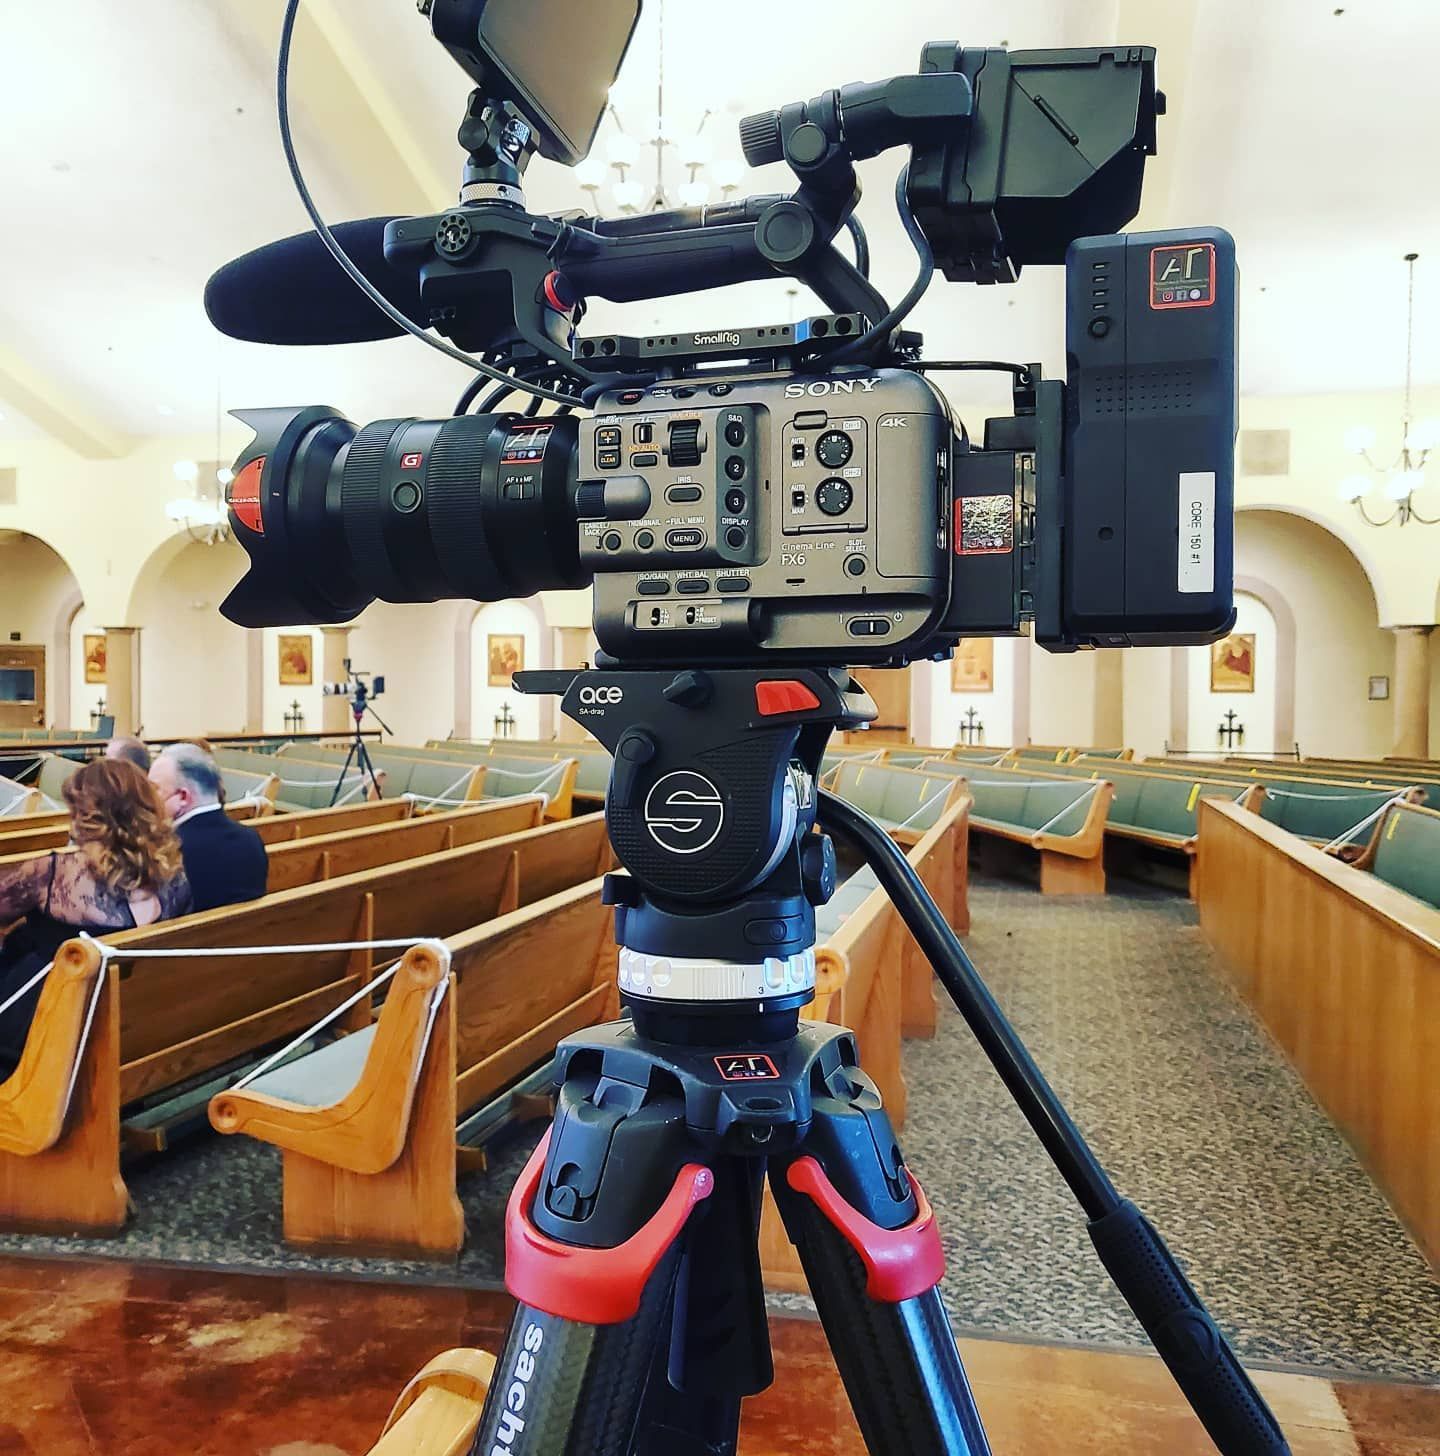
(684, 812)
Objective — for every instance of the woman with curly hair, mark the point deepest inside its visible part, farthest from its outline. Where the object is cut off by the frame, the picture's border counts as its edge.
(123, 869)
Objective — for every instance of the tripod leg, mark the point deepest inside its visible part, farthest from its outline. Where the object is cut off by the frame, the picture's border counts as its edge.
(871, 1251)
(572, 1379)
(344, 769)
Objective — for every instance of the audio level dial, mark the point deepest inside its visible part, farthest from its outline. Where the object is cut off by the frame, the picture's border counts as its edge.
(834, 496)
(834, 449)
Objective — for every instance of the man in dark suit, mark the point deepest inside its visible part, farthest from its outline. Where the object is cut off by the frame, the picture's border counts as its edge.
(225, 860)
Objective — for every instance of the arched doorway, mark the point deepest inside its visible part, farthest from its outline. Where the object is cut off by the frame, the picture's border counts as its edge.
(194, 664)
(1321, 603)
(39, 598)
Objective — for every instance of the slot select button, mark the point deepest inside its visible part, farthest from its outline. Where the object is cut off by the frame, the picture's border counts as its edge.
(685, 538)
(683, 495)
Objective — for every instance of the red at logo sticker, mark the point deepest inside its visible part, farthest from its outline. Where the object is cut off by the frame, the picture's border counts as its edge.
(413, 461)
(244, 497)
(746, 1067)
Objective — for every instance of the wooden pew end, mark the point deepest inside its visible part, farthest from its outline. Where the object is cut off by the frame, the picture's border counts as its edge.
(438, 1411)
(1062, 874)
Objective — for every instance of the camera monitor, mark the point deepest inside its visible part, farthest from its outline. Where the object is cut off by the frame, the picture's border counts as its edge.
(513, 48)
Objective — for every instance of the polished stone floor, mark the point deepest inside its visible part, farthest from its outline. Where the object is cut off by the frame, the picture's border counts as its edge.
(107, 1359)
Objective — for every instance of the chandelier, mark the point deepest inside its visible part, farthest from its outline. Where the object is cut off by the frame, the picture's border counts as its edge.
(633, 186)
(1405, 474)
(202, 515)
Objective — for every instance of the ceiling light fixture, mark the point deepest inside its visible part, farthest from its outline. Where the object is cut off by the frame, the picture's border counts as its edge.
(203, 513)
(690, 146)
(1405, 474)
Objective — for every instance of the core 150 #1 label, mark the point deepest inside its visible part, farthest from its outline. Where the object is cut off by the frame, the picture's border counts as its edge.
(1196, 565)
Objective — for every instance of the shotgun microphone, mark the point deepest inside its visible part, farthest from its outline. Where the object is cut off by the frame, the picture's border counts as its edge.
(293, 292)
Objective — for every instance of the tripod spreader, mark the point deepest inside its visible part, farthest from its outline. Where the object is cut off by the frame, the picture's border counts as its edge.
(1134, 1254)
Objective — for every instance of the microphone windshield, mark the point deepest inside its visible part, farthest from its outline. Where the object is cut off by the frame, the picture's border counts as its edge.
(294, 292)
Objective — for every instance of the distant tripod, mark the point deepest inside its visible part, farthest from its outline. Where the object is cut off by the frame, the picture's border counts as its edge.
(358, 758)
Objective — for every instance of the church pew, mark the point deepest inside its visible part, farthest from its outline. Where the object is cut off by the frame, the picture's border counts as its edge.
(1344, 970)
(183, 1020)
(1376, 776)
(299, 783)
(329, 856)
(367, 1125)
(310, 823)
(28, 823)
(904, 801)
(430, 784)
(492, 776)
(354, 1178)
(1406, 852)
(592, 776)
(1060, 816)
(17, 799)
(439, 1409)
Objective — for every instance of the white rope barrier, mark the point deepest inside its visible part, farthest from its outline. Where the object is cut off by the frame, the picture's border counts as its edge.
(1075, 803)
(10, 805)
(1337, 798)
(919, 809)
(1365, 823)
(109, 952)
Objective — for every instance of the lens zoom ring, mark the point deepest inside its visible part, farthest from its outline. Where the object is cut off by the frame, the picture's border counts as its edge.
(364, 509)
(455, 484)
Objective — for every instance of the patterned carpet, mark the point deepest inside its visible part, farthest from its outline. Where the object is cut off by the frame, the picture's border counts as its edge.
(1196, 1115)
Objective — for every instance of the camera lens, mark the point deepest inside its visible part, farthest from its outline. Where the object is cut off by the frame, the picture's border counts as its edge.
(734, 501)
(406, 510)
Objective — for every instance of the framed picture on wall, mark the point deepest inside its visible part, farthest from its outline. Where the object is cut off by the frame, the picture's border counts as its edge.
(504, 655)
(1232, 664)
(94, 657)
(297, 660)
(972, 669)
(1379, 689)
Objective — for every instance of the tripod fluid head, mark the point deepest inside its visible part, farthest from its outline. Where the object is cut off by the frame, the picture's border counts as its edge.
(711, 810)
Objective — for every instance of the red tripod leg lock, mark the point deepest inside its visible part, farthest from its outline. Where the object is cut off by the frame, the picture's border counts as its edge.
(591, 1286)
(899, 1263)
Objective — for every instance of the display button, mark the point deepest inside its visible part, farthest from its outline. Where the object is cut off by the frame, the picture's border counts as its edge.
(691, 586)
(869, 627)
(685, 538)
(651, 588)
(732, 583)
(645, 457)
(683, 495)
(834, 449)
(735, 537)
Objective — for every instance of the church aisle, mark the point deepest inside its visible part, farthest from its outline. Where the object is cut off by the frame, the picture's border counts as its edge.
(113, 1360)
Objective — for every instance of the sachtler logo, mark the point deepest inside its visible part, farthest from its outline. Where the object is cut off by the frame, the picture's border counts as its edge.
(684, 812)
(512, 1423)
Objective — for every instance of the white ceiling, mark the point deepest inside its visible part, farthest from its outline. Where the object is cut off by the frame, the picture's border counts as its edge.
(138, 151)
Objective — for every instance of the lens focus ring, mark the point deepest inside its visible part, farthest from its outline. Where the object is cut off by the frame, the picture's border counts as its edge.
(364, 512)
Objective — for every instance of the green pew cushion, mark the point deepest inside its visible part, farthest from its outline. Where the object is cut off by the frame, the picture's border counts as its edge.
(1408, 855)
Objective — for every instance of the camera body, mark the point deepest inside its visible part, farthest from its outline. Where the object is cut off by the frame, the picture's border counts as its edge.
(800, 515)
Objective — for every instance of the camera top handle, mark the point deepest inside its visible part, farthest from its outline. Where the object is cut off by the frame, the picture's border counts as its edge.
(492, 274)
